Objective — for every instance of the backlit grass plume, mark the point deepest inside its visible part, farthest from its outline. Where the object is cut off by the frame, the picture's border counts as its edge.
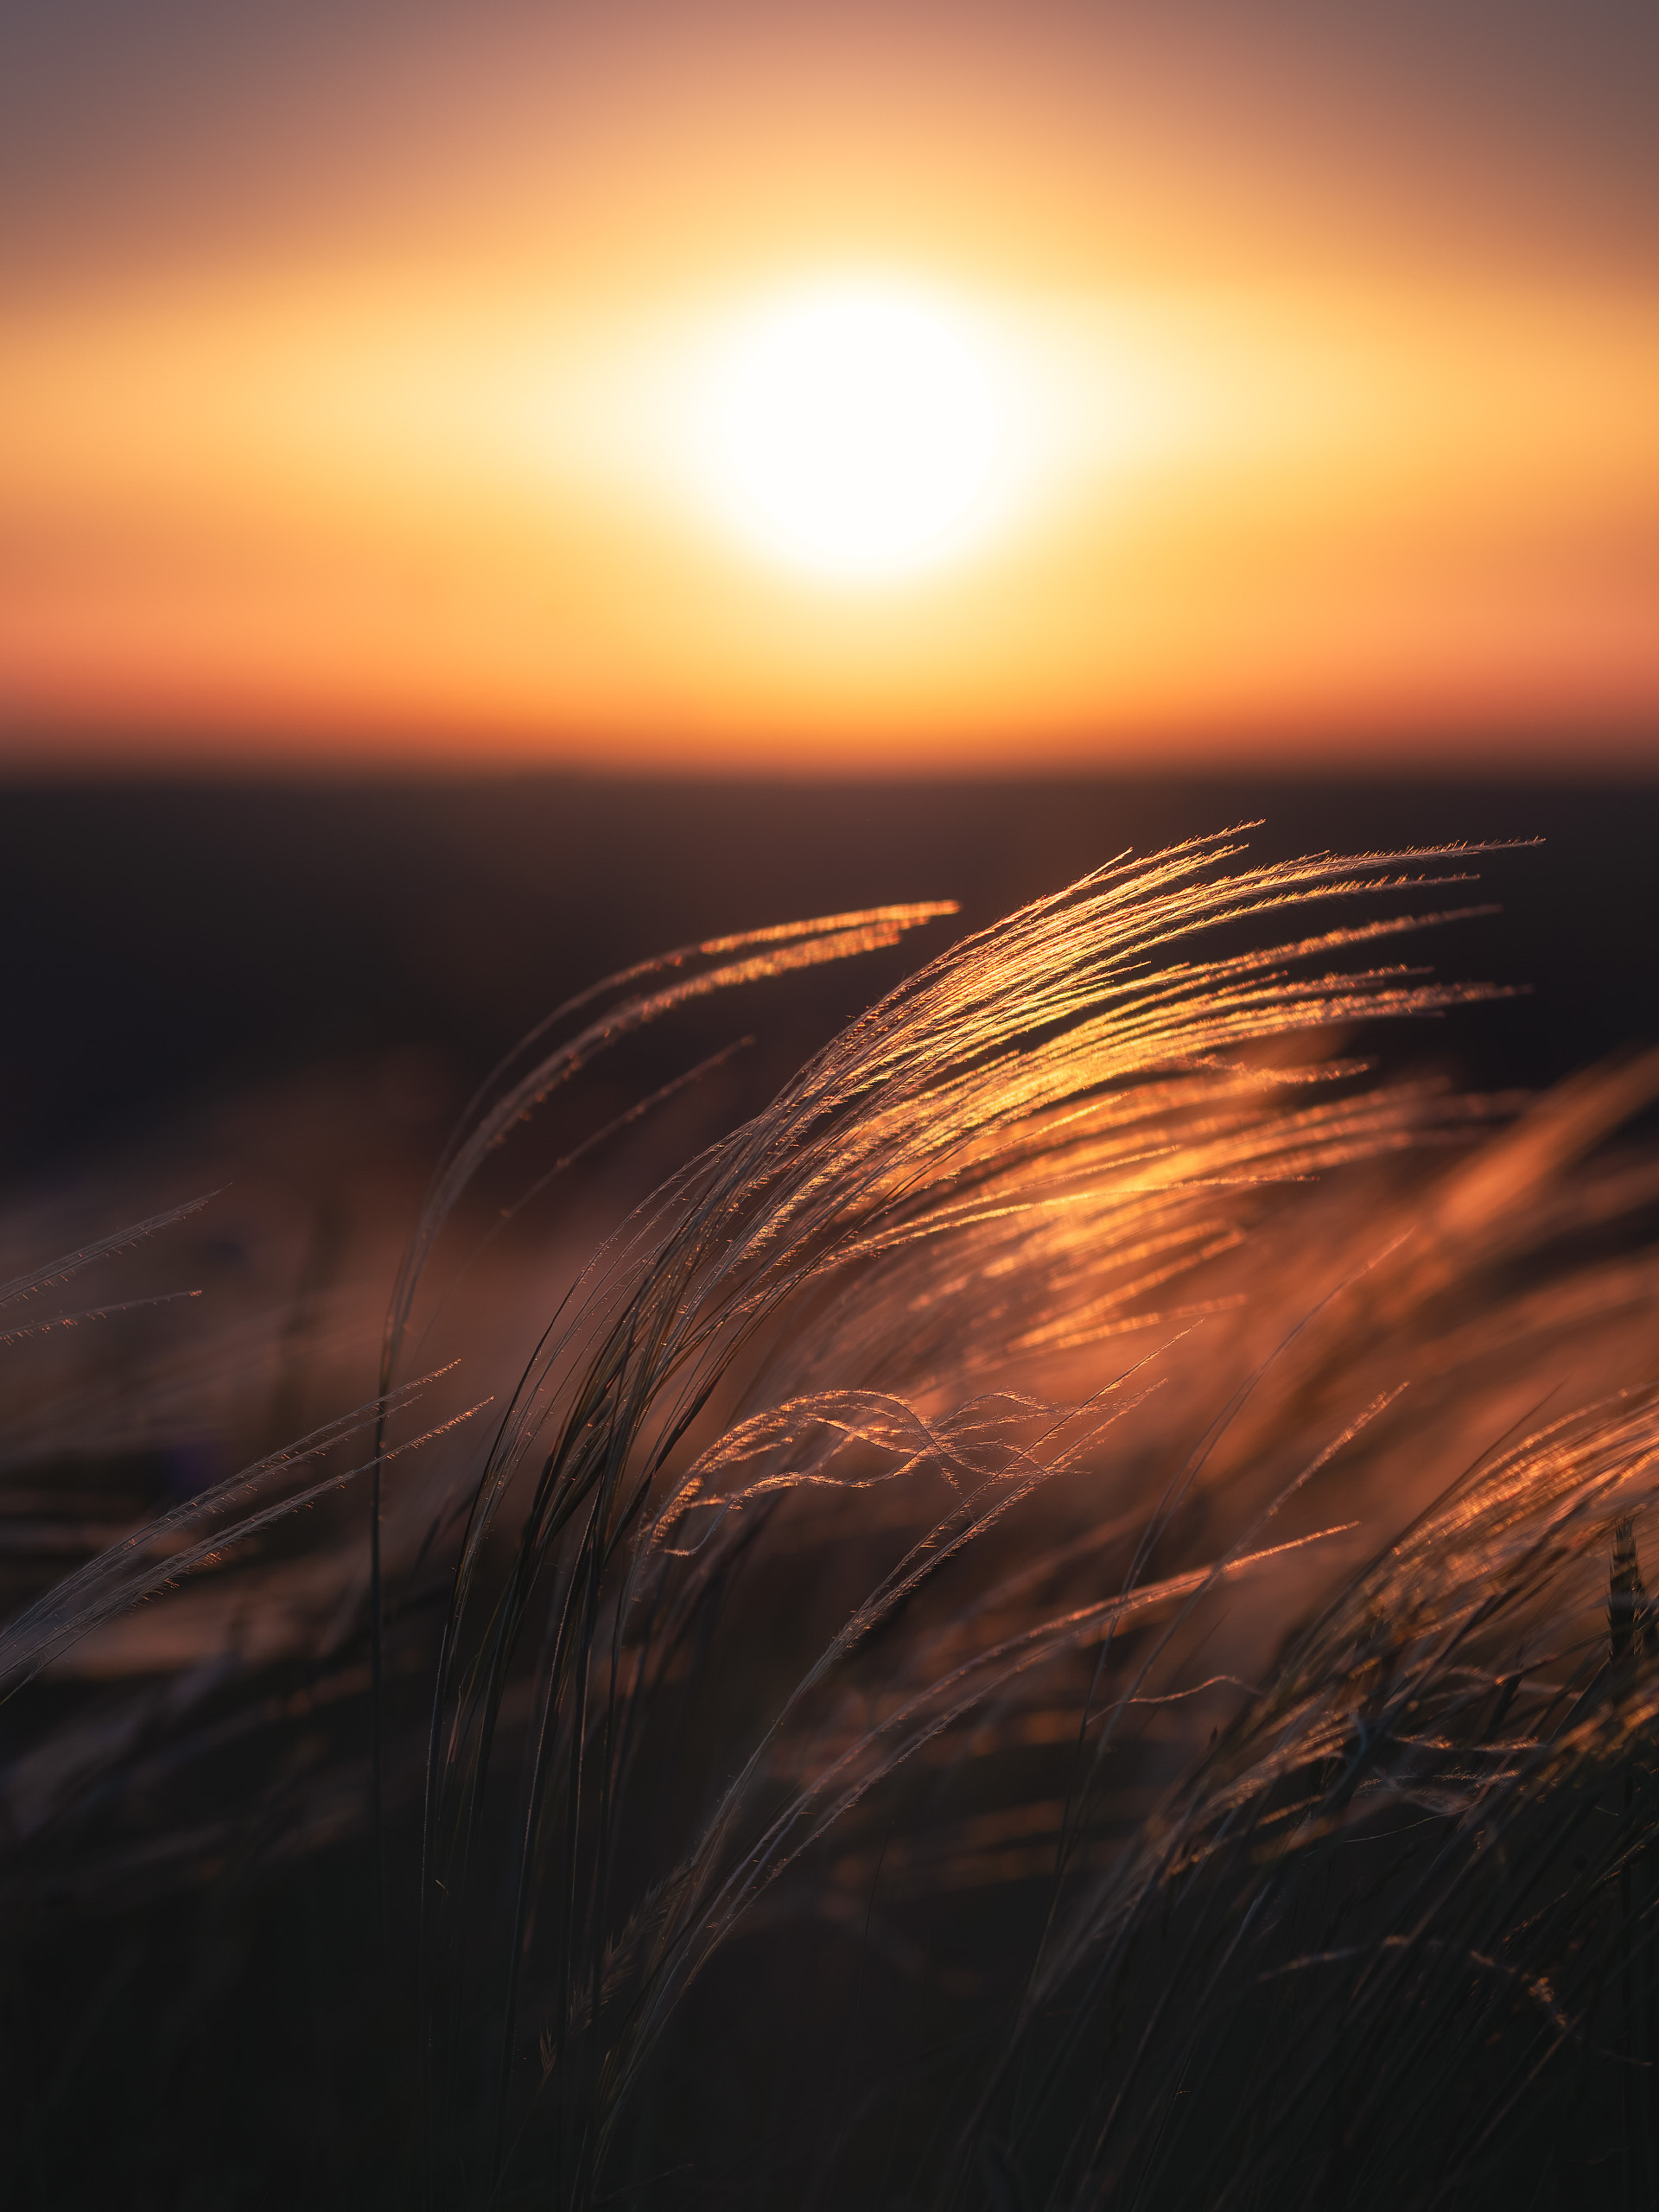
(1055, 1619)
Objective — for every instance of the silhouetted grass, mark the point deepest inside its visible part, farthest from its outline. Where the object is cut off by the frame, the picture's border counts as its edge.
(1055, 1619)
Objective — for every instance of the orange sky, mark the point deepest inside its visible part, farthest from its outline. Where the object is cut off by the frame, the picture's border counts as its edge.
(348, 414)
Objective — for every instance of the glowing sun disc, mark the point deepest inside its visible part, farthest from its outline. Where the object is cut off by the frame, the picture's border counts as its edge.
(858, 431)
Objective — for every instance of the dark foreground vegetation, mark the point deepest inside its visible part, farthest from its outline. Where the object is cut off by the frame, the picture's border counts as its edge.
(1054, 1619)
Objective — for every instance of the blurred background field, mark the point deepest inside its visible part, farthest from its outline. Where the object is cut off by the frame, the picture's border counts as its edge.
(176, 942)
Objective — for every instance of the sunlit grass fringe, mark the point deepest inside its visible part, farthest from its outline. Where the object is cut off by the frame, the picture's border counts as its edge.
(973, 1522)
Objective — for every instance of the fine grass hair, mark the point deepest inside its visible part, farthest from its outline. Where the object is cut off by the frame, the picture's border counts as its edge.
(1054, 1620)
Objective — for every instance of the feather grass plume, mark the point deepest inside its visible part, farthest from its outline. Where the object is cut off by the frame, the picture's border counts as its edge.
(1039, 1627)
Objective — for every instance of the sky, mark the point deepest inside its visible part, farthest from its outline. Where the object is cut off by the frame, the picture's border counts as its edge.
(911, 386)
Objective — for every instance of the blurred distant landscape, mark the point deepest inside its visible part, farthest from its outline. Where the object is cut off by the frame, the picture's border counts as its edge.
(179, 943)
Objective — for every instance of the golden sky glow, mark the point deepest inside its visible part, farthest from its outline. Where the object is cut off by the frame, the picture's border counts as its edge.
(809, 413)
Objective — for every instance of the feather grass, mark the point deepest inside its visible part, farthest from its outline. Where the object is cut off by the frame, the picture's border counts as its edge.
(1032, 1632)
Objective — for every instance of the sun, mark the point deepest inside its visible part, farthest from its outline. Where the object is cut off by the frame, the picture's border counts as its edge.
(860, 431)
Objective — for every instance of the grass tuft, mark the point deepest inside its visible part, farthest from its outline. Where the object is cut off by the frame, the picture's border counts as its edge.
(1036, 1630)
